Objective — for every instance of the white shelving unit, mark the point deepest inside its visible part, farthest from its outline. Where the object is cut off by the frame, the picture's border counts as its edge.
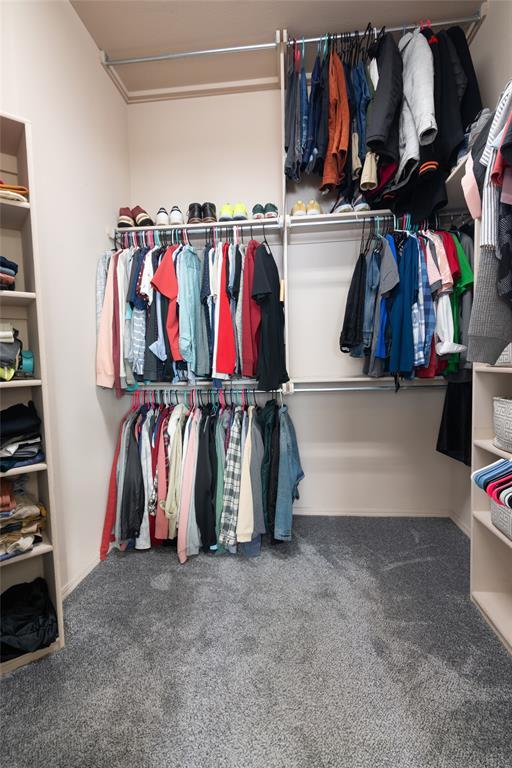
(18, 241)
(491, 550)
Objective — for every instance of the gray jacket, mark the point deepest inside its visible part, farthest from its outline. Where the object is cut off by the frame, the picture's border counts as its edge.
(418, 125)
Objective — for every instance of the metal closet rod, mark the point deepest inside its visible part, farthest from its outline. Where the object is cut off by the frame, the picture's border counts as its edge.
(374, 388)
(263, 46)
(358, 219)
(243, 224)
(464, 20)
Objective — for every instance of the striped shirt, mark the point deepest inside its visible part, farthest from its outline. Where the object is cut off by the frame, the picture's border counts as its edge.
(491, 193)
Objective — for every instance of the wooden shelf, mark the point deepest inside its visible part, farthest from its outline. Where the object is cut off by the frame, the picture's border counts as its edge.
(488, 445)
(24, 470)
(20, 383)
(484, 517)
(492, 369)
(39, 549)
(13, 214)
(27, 658)
(17, 298)
(332, 219)
(496, 608)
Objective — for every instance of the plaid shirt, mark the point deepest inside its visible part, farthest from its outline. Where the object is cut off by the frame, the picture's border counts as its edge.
(232, 474)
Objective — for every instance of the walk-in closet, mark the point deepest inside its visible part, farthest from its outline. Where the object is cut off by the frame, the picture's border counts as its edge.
(256, 383)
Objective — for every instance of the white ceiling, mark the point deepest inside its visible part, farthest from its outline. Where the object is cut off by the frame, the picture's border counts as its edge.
(146, 27)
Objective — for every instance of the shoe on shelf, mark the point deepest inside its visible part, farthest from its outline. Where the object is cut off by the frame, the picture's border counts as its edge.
(209, 212)
(176, 216)
(360, 204)
(342, 205)
(125, 218)
(258, 211)
(226, 212)
(299, 209)
(313, 208)
(195, 213)
(240, 212)
(271, 211)
(141, 217)
(162, 218)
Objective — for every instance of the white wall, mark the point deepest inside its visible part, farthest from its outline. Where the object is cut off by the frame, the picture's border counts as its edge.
(225, 148)
(50, 74)
(490, 51)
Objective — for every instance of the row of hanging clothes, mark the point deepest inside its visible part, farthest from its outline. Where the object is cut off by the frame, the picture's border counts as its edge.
(168, 311)
(381, 122)
(215, 473)
(409, 303)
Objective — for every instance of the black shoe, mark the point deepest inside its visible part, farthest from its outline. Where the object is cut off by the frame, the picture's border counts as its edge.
(195, 214)
(209, 212)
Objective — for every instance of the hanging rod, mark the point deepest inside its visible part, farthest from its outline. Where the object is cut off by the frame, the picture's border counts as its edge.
(188, 54)
(371, 388)
(434, 24)
(204, 227)
(337, 219)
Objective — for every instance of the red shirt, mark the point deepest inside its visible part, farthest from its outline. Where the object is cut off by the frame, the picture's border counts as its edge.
(165, 281)
(251, 316)
(226, 348)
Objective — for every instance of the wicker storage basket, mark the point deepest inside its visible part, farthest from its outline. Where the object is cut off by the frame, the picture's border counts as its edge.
(506, 356)
(503, 423)
(502, 518)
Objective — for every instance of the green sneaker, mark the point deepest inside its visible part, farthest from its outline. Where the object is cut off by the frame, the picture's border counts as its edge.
(271, 211)
(258, 211)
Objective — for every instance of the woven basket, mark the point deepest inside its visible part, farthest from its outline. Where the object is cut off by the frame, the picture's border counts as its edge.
(506, 356)
(502, 518)
(503, 423)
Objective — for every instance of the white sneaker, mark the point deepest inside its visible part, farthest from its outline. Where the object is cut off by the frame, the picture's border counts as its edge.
(176, 216)
(162, 218)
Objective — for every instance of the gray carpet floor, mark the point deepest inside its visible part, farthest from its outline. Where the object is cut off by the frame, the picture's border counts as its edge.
(356, 646)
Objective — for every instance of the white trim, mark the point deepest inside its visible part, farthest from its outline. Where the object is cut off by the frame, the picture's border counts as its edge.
(462, 524)
(68, 588)
(315, 512)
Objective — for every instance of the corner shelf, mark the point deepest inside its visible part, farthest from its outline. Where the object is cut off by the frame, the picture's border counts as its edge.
(484, 517)
(488, 445)
(17, 298)
(26, 658)
(20, 383)
(38, 549)
(24, 470)
(496, 608)
(13, 214)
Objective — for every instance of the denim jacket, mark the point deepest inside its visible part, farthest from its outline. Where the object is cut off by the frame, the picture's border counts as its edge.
(290, 475)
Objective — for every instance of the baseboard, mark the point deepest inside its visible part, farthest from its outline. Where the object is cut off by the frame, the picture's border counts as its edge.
(75, 581)
(462, 524)
(315, 511)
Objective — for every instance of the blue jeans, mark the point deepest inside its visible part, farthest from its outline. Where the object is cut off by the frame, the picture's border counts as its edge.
(289, 476)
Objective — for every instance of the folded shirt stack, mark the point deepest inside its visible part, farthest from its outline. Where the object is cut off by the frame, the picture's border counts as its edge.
(22, 528)
(496, 481)
(20, 443)
(10, 351)
(8, 272)
(13, 192)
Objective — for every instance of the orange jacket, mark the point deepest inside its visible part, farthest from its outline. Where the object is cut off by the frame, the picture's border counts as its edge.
(339, 125)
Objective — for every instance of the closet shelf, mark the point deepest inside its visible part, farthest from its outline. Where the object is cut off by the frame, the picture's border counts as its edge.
(332, 219)
(25, 470)
(267, 223)
(26, 658)
(39, 549)
(496, 608)
(19, 298)
(20, 383)
(487, 445)
(484, 517)
(492, 369)
(13, 214)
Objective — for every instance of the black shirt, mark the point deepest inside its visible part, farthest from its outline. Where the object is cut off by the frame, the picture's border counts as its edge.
(271, 371)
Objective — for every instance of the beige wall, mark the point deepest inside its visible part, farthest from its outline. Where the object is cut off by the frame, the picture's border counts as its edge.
(491, 51)
(51, 75)
(216, 149)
